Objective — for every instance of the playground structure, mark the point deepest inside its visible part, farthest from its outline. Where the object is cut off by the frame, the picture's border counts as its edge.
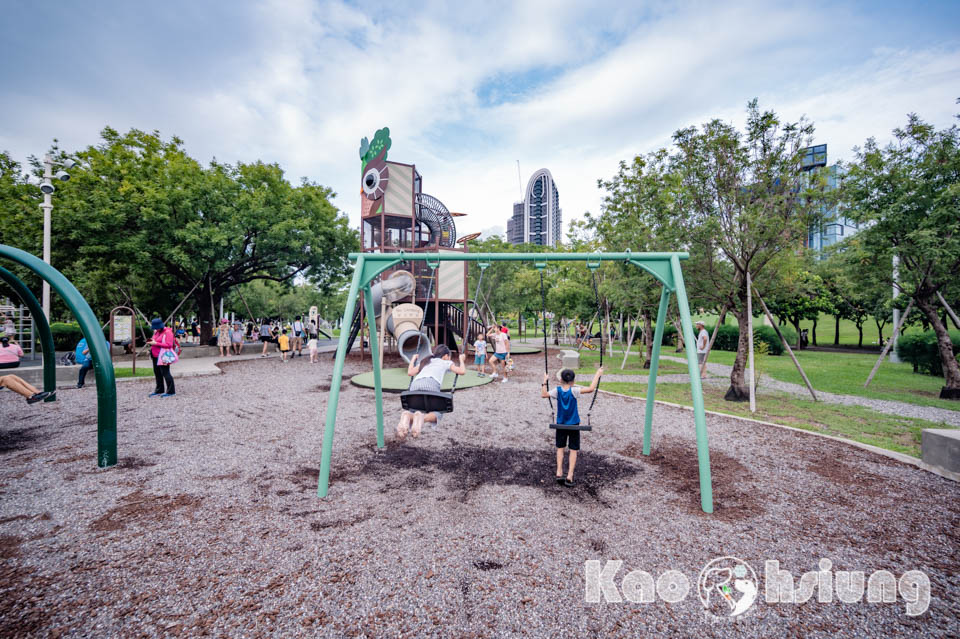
(102, 364)
(665, 267)
(419, 307)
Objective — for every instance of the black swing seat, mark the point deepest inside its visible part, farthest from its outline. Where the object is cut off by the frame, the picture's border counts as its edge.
(571, 426)
(427, 401)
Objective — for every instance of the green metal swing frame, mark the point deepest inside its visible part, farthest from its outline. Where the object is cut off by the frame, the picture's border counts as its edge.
(665, 267)
(102, 364)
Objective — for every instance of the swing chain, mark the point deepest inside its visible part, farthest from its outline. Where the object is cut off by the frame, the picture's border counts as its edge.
(546, 365)
(596, 293)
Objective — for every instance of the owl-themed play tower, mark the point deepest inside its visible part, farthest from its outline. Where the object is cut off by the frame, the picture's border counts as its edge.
(396, 215)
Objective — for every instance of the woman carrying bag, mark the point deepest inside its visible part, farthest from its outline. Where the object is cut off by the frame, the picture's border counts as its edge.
(163, 354)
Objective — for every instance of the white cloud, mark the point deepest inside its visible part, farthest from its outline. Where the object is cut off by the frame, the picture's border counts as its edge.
(318, 76)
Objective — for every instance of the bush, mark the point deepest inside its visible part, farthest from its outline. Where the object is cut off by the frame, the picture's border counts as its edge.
(66, 336)
(920, 349)
(729, 336)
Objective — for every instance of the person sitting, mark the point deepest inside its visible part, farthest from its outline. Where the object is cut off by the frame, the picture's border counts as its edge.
(428, 377)
(83, 357)
(566, 395)
(21, 387)
(10, 353)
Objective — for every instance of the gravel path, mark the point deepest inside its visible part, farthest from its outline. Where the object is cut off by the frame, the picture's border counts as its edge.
(210, 524)
(931, 413)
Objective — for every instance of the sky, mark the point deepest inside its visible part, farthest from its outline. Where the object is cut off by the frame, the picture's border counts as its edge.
(468, 90)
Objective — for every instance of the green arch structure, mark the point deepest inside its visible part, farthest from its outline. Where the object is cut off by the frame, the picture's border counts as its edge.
(43, 327)
(665, 267)
(102, 365)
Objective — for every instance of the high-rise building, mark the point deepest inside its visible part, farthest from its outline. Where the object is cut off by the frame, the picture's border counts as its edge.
(538, 218)
(515, 225)
(833, 227)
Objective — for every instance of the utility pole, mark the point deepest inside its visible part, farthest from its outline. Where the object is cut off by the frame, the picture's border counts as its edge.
(47, 188)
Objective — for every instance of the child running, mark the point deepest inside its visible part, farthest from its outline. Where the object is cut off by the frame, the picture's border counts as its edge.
(312, 346)
(429, 377)
(480, 356)
(284, 343)
(566, 395)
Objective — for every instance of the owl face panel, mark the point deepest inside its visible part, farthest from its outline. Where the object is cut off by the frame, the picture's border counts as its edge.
(375, 177)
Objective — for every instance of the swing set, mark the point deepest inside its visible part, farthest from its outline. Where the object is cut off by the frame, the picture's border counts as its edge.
(665, 267)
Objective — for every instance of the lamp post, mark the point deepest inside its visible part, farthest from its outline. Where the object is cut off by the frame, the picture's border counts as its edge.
(47, 188)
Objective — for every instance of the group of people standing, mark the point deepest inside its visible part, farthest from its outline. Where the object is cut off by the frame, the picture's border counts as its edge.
(291, 339)
(499, 336)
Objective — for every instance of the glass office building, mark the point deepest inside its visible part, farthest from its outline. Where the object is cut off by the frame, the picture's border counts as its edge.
(538, 219)
(834, 227)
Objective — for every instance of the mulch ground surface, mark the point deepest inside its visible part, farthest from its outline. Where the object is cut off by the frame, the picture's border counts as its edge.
(210, 524)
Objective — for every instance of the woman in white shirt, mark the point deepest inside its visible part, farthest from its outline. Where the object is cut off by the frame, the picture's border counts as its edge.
(428, 377)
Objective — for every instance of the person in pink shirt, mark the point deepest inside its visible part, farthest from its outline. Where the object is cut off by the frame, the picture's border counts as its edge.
(10, 353)
(162, 338)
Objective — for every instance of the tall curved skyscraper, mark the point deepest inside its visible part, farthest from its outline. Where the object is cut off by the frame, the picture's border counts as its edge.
(538, 219)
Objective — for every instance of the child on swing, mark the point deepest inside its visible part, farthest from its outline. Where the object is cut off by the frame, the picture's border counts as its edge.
(428, 377)
(566, 395)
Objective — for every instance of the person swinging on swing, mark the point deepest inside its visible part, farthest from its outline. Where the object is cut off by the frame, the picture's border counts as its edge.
(566, 395)
(428, 376)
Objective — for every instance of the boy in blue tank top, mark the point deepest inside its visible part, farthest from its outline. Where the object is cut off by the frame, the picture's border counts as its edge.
(566, 395)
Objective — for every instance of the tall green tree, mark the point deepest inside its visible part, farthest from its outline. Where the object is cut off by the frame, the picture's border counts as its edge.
(907, 194)
(743, 198)
(140, 211)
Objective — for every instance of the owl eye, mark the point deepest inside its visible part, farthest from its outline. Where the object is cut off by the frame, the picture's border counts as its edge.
(374, 182)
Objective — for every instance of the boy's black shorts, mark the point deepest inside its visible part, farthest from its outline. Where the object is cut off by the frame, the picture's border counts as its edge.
(563, 434)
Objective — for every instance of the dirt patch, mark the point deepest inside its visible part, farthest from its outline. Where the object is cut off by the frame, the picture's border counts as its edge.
(733, 498)
(17, 439)
(9, 546)
(322, 388)
(487, 565)
(140, 507)
(133, 463)
(467, 468)
(339, 523)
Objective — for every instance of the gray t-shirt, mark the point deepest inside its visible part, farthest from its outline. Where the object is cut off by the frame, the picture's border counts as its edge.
(703, 338)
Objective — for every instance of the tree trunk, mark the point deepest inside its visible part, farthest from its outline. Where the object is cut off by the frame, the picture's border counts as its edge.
(860, 330)
(205, 313)
(739, 391)
(951, 369)
(879, 332)
(815, 332)
(796, 327)
(647, 338)
(836, 331)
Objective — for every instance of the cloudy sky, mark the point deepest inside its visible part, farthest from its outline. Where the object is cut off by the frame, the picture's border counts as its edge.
(467, 89)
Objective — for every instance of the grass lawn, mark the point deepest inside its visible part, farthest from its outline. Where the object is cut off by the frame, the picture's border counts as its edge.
(826, 326)
(845, 373)
(142, 371)
(590, 361)
(900, 434)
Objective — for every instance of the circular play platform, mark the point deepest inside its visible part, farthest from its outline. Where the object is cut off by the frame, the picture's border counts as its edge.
(396, 380)
(518, 349)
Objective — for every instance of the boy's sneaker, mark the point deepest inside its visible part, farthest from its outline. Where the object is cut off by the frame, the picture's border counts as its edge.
(494, 376)
(503, 381)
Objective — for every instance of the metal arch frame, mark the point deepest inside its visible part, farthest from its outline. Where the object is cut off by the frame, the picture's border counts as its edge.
(102, 365)
(665, 267)
(43, 327)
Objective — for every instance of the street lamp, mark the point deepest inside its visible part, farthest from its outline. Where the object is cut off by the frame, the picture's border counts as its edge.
(47, 188)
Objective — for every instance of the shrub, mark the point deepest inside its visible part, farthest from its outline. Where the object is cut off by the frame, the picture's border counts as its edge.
(920, 349)
(66, 335)
(729, 336)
